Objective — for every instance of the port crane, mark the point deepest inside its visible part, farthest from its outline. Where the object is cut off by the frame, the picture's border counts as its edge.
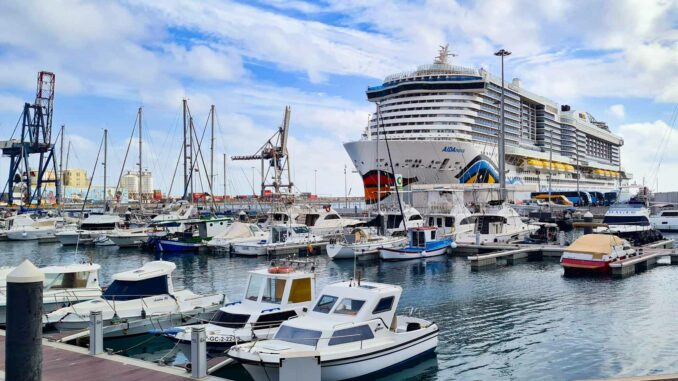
(275, 152)
(35, 139)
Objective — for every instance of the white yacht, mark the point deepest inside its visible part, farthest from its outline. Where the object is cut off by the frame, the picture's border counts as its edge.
(394, 218)
(496, 222)
(630, 221)
(321, 220)
(63, 286)
(665, 220)
(92, 227)
(352, 329)
(273, 295)
(452, 222)
(360, 243)
(143, 293)
(27, 227)
(282, 239)
(238, 232)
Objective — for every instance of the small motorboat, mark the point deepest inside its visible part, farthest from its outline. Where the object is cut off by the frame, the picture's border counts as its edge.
(238, 232)
(198, 232)
(352, 329)
(63, 286)
(273, 295)
(593, 253)
(27, 227)
(422, 243)
(145, 294)
(134, 237)
(361, 243)
(90, 229)
(283, 239)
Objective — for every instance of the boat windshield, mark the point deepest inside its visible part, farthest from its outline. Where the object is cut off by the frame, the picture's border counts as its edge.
(298, 335)
(273, 290)
(626, 220)
(325, 304)
(128, 290)
(229, 320)
(349, 307)
(300, 229)
(66, 280)
(254, 287)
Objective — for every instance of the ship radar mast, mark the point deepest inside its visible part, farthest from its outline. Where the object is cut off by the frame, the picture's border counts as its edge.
(443, 53)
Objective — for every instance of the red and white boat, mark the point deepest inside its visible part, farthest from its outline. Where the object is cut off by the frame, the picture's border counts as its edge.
(593, 253)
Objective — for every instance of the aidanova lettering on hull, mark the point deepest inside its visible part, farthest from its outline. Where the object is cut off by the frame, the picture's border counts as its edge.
(442, 125)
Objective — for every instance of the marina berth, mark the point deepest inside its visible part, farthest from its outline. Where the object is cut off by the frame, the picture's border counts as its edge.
(352, 329)
(273, 295)
(360, 243)
(593, 254)
(282, 239)
(422, 243)
(63, 286)
(135, 295)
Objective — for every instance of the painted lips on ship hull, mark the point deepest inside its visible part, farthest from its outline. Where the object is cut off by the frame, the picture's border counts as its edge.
(373, 179)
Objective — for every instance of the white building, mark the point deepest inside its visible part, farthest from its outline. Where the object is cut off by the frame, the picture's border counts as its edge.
(130, 181)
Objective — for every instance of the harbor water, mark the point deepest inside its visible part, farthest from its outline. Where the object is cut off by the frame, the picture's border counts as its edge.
(521, 322)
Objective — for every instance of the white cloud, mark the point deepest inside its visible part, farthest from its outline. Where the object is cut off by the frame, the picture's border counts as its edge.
(617, 111)
(648, 153)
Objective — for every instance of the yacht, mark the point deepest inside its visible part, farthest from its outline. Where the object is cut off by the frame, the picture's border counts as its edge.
(630, 221)
(27, 227)
(320, 219)
(352, 329)
(361, 242)
(441, 122)
(63, 286)
(593, 253)
(496, 222)
(134, 237)
(141, 294)
(92, 227)
(238, 232)
(273, 295)
(282, 239)
(422, 243)
(197, 233)
(665, 220)
(452, 222)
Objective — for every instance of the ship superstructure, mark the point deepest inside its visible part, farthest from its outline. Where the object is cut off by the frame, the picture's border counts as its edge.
(442, 125)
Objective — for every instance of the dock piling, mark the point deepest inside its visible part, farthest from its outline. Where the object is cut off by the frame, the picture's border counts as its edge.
(24, 323)
(96, 333)
(198, 352)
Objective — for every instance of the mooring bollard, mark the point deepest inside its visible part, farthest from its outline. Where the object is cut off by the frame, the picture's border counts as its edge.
(96, 333)
(198, 352)
(23, 360)
(588, 217)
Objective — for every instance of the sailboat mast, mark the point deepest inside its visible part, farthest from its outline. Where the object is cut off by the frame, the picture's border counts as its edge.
(140, 164)
(184, 105)
(212, 150)
(61, 167)
(105, 165)
(225, 191)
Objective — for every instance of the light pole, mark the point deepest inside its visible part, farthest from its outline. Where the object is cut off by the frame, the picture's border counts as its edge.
(502, 170)
(315, 181)
(254, 193)
(345, 189)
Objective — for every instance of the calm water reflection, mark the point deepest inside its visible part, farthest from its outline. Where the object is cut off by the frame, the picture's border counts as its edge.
(524, 322)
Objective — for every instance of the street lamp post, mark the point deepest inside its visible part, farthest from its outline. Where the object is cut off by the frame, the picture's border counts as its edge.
(502, 158)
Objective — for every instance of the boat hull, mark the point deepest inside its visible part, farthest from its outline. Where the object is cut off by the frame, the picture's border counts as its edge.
(170, 246)
(408, 253)
(343, 251)
(29, 235)
(581, 266)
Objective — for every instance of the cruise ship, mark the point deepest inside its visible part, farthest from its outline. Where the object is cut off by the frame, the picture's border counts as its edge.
(441, 122)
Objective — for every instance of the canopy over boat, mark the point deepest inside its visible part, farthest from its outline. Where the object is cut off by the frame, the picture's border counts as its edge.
(597, 245)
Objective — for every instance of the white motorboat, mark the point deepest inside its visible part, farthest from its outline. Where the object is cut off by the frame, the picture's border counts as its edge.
(63, 286)
(26, 227)
(90, 228)
(353, 331)
(665, 220)
(145, 293)
(320, 219)
(238, 232)
(630, 221)
(496, 222)
(283, 239)
(362, 242)
(134, 237)
(394, 219)
(273, 295)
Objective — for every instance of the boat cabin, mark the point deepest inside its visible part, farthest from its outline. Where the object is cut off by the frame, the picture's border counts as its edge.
(417, 237)
(273, 295)
(281, 233)
(153, 278)
(96, 221)
(79, 275)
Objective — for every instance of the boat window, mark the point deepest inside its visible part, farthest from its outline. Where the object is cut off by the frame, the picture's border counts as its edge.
(440, 222)
(433, 234)
(626, 220)
(273, 319)
(468, 220)
(273, 290)
(670, 214)
(67, 280)
(431, 221)
(332, 217)
(298, 335)
(350, 335)
(449, 222)
(97, 226)
(415, 217)
(418, 238)
(254, 228)
(128, 290)
(300, 229)
(385, 304)
(349, 306)
(252, 293)
(300, 291)
(393, 221)
(279, 234)
(311, 219)
(325, 304)
(229, 320)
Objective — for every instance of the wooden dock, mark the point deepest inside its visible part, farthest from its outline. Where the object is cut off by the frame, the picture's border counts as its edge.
(647, 257)
(68, 362)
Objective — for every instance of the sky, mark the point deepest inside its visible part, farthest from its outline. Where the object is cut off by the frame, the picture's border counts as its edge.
(616, 59)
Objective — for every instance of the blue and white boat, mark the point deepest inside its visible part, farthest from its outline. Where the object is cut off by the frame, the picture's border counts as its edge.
(422, 243)
(198, 232)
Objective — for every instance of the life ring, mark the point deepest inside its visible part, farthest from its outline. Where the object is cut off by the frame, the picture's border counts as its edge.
(328, 208)
(309, 248)
(281, 270)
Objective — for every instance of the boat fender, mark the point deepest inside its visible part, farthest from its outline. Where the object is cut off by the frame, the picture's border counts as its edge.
(309, 248)
(143, 313)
